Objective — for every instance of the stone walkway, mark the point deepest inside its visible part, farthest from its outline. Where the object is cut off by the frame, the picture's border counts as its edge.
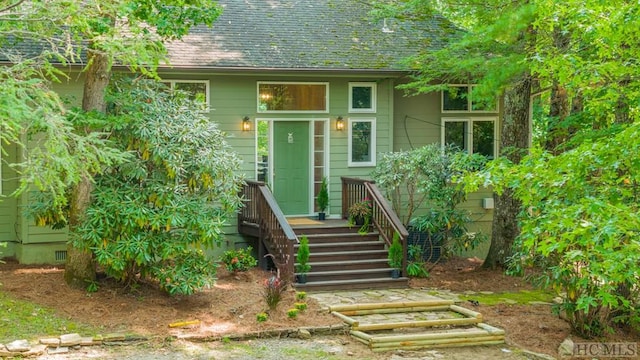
(327, 299)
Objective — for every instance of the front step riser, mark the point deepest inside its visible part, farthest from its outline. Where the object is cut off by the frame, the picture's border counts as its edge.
(348, 266)
(392, 284)
(311, 277)
(345, 247)
(319, 257)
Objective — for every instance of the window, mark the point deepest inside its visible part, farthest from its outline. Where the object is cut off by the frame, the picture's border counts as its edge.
(459, 98)
(282, 97)
(475, 135)
(198, 90)
(362, 142)
(362, 97)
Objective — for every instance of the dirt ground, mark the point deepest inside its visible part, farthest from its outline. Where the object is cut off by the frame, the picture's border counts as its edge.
(230, 307)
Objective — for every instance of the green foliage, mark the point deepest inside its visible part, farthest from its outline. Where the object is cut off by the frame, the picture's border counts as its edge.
(416, 266)
(239, 260)
(151, 216)
(301, 295)
(302, 257)
(292, 313)
(429, 174)
(581, 225)
(262, 317)
(63, 147)
(302, 306)
(273, 290)
(396, 253)
(57, 156)
(323, 196)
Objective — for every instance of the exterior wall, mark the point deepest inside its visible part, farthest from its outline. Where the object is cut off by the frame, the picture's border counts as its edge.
(417, 122)
(233, 96)
(8, 205)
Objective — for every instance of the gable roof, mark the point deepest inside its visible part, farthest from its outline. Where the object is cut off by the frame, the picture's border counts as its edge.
(329, 35)
(303, 34)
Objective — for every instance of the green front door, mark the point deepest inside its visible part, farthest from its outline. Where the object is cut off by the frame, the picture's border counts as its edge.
(291, 173)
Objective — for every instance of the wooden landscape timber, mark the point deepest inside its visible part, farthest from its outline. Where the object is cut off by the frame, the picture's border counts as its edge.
(442, 332)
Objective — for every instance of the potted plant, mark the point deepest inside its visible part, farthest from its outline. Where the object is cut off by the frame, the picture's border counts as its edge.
(360, 212)
(302, 260)
(395, 256)
(323, 199)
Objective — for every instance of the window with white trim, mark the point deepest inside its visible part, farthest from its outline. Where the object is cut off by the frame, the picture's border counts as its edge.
(288, 97)
(198, 90)
(362, 142)
(362, 97)
(474, 135)
(459, 98)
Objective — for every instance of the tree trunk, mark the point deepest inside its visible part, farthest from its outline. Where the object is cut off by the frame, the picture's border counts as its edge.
(514, 142)
(80, 268)
(559, 110)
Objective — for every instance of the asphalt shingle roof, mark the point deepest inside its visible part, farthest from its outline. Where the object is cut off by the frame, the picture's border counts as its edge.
(294, 34)
(302, 34)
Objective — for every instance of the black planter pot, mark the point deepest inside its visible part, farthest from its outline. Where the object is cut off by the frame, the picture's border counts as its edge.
(301, 278)
(322, 216)
(395, 273)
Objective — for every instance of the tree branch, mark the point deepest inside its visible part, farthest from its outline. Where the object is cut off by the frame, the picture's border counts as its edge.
(9, 7)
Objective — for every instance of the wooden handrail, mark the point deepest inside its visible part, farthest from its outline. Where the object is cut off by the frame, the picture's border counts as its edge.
(274, 232)
(383, 217)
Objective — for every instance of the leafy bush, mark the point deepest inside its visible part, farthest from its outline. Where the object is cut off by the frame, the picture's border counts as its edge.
(426, 177)
(416, 265)
(151, 216)
(239, 260)
(301, 295)
(581, 226)
(292, 313)
(262, 317)
(302, 306)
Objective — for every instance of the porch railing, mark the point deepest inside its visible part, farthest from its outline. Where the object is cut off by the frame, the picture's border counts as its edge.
(383, 218)
(262, 213)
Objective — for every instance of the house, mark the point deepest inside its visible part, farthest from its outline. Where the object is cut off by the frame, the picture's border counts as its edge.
(305, 89)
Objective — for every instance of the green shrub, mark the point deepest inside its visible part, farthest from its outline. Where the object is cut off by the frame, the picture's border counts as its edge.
(292, 313)
(239, 260)
(302, 306)
(301, 295)
(151, 216)
(302, 257)
(395, 255)
(262, 317)
(581, 226)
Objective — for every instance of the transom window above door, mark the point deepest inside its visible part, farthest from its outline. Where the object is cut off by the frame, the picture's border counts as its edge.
(287, 97)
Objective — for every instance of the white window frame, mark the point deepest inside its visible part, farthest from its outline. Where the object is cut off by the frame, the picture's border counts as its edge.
(469, 101)
(326, 95)
(374, 97)
(470, 121)
(172, 83)
(372, 162)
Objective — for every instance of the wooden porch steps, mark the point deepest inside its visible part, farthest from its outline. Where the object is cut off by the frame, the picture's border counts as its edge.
(343, 259)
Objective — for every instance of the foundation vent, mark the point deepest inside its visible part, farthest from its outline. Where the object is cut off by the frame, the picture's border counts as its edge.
(61, 255)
